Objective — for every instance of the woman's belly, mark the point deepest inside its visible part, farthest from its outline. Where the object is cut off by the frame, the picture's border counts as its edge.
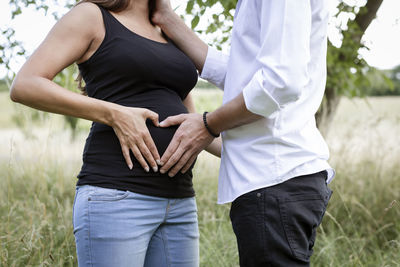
(103, 144)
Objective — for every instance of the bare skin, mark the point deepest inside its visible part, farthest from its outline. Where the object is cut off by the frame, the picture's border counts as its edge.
(192, 136)
(84, 27)
(213, 148)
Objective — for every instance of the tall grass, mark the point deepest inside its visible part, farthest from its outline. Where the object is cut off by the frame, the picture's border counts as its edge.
(360, 228)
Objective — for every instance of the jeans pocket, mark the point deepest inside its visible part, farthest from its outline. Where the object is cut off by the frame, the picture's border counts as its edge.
(107, 194)
(301, 215)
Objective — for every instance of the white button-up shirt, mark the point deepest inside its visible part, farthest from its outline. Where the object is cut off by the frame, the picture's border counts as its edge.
(278, 60)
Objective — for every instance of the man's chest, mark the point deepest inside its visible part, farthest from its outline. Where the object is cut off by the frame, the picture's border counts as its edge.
(246, 25)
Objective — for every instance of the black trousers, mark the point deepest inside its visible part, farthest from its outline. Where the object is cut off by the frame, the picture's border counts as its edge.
(276, 226)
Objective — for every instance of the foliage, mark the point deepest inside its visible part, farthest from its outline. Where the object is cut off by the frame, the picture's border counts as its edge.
(395, 78)
(346, 69)
(9, 45)
(221, 22)
(384, 88)
(3, 86)
(18, 5)
(348, 73)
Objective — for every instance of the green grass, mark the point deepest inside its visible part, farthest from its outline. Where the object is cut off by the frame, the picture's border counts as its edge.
(6, 110)
(360, 228)
(3, 86)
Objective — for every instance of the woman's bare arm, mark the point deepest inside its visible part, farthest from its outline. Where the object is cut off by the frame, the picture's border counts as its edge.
(71, 40)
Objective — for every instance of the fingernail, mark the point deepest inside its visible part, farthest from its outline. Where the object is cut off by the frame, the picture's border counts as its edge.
(130, 166)
(147, 169)
(162, 171)
(170, 175)
(161, 123)
(155, 168)
(158, 162)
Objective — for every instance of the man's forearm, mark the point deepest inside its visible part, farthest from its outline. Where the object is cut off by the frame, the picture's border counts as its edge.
(232, 114)
(174, 27)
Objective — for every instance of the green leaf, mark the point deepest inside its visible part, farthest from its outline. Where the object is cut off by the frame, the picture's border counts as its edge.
(388, 82)
(189, 6)
(195, 21)
(16, 12)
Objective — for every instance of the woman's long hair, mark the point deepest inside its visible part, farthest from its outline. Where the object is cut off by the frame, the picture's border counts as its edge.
(114, 6)
(117, 5)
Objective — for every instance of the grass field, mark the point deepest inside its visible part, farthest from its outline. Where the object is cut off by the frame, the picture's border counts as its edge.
(361, 227)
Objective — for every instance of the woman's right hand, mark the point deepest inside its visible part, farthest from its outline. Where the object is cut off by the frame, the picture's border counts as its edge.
(129, 125)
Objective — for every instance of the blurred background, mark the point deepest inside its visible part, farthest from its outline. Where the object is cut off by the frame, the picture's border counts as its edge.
(40, 153)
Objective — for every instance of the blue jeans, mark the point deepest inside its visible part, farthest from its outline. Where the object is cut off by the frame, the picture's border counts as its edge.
(121, 228)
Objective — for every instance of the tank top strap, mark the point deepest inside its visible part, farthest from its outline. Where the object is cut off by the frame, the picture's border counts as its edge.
(108, 22)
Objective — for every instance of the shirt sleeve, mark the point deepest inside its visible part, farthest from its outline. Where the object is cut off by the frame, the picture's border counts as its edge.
(215, 66)
(284, 55)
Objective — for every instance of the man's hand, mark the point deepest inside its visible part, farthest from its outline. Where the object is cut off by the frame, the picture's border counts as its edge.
(162, 8)
(189, 140)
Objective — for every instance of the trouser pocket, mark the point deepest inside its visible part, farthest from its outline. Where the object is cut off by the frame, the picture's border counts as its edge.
(301, 215)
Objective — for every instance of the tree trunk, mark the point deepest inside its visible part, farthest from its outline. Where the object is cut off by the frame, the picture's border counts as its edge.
(327, 111)
(367, 14)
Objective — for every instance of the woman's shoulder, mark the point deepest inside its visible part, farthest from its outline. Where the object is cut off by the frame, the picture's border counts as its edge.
(86, 11)
(84, 19)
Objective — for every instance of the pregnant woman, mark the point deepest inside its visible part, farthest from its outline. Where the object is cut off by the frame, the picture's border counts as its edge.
(126, 213)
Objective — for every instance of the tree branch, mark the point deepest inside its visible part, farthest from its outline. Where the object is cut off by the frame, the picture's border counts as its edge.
(367, 14)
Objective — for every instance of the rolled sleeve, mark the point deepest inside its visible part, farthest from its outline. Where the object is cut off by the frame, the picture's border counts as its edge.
(215, 67)
(283, 56)
(257, 98)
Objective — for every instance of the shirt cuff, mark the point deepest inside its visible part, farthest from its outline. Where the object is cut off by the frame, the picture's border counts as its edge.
(258, 99)
(214, 69)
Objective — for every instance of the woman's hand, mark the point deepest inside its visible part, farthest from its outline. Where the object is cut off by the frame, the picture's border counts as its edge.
(129, 125)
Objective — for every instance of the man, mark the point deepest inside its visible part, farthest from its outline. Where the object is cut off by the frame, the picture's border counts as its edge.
(274, 160)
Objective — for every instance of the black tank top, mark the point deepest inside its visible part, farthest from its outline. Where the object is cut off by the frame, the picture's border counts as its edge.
(134, 71)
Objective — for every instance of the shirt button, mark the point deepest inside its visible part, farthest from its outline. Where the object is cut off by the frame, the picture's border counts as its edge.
(258, 194)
